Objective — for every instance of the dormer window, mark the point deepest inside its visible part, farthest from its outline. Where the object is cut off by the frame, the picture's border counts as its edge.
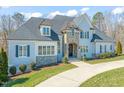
(45, 31)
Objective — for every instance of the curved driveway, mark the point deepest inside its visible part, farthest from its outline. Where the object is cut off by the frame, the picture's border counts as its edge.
(84, 71)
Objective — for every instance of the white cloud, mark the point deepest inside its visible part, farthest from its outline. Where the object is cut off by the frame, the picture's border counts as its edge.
(118, 10)
(34, 14)
(67, 13)
(84, 10)
(52, 14)
(71, 13)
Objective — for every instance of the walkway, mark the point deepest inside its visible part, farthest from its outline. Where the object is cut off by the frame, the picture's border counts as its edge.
(84, 71)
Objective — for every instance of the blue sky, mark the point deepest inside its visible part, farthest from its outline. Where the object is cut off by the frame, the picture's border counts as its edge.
(51, 11)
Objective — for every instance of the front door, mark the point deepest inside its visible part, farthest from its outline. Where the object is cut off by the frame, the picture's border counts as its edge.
(70, 50)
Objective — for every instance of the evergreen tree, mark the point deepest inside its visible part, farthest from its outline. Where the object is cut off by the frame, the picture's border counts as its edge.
(119, 48)
(3, 66)
(98, 20)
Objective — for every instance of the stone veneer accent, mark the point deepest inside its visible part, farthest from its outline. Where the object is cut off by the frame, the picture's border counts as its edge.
(46, 60)
(69, 39)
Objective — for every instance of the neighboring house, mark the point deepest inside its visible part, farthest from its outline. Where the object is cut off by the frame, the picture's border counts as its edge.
(47, 41)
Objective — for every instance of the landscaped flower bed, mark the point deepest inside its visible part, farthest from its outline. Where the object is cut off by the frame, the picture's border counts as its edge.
(35, 77)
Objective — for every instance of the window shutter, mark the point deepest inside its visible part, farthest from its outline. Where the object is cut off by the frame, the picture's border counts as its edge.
(28, 50)
(16, 54)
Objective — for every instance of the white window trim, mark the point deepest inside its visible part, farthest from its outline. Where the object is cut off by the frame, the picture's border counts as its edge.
(41, 30)
(84, 49)
(22, 51)
(85, 35)
(46, 51)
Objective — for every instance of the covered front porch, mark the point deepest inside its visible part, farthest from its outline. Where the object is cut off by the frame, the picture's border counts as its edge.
(72, 50)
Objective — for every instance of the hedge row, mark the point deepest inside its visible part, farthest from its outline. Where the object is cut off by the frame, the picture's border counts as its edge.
(106, 55)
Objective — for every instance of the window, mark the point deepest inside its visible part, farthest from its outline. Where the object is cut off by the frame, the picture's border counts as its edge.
(110, 47)
(81, 49)
(100, 48)
(72, 32)
(58, 46)
(22, 51)
(45, 31)
(46, 50)
(88, 35)
(84, 49)
(52, 50)
(105, 48)
(81, 34)
(39, 50)
(84, 35)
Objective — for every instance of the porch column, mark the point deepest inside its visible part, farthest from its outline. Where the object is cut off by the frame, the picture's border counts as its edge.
(66, 50)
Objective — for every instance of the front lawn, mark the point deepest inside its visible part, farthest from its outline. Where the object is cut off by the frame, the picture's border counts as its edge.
(112, 78)
(95, 61)
(35, 77)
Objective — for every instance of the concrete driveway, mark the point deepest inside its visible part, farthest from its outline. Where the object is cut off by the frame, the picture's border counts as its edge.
(84, 71)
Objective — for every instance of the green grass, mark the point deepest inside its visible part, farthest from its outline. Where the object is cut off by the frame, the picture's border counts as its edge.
(105, 60)
(112, 78)
(35, 77)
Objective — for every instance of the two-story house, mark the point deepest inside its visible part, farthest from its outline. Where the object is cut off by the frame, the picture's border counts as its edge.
(47, 41)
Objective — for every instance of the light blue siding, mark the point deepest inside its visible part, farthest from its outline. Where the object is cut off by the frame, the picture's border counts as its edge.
(13, 60)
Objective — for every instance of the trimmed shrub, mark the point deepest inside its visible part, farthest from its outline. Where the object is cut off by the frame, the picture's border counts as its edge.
(12, 70)
(119, 48)
(65, 60)
(22, 68)
(33, 66)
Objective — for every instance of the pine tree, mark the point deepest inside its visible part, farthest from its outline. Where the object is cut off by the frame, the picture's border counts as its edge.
(3, 66)
(119, 48)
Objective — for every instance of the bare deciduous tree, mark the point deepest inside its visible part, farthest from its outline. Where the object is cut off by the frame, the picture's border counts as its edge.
(6, 27)
(19, 19)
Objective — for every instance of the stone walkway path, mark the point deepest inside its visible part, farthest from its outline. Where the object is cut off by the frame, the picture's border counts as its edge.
(84, 71)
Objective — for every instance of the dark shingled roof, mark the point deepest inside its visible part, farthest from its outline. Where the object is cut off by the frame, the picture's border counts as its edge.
(100, 36)
(31, 29)
(96, 37)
